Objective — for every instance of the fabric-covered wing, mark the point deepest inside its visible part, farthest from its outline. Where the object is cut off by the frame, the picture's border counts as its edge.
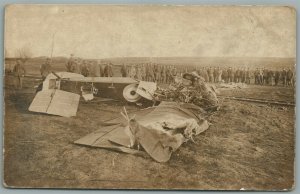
(55, 102)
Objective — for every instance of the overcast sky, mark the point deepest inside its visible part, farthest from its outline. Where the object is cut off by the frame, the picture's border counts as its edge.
(156, 31)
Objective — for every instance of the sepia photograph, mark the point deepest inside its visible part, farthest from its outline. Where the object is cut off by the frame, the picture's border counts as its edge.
(160, 97)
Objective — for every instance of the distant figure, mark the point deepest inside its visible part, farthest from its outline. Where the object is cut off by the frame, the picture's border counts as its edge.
(260, 77)
(46, 68)
(108, 72)
(132, 72)
(219, 75)
(101, 68)
(19, 72)
(265, 76)
(248, 77)
(210, 74)
(289, 77)
(215, 74)
(237, 76)
(284, 76)
(92, 69)
(71, 64)
(85, 69)
(277, 77)
(143, 72)
(77, 64)
(138, 74)
(225, 75)
(97, 69)
(230, 75)
(124, 70)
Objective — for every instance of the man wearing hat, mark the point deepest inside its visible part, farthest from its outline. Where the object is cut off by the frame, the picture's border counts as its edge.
(71, 64)
(19, 72)
(46, 68)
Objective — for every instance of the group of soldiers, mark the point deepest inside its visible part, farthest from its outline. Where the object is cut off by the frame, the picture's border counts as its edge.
(89, 68)
(165, 74)
(265, 76)
(218, 74)
(162, 73)
(150, 72)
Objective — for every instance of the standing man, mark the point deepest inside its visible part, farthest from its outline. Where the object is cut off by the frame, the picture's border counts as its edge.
(230, 74)
(84, 69)
(289, 77)
(124, 70)
(219, 75)
(271, 77)
(265, 76)
(143, 72)
(277, 77)
(19, 72)
(248, 77)
(92, 69)
(284, 76)
(138, 74)
(71, 64)
(132, 72)
(237, 76)
(256, 74)
(46, 68)
(210, 74)
(261, 76)
(215, 74)
(110, 70)
(225, 75)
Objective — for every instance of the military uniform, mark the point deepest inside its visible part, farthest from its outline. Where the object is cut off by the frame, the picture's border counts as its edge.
(210, 74)
(138, 73)
(132, 72)
(237, 76)
(143, 72)
(70, 65)
(289, 77)
(284, 76)
(277, 77)
(215, 74)
(19, 72)
(84, 69)
(247, 76)
(225, 75)
(124, 70)
(219, 74)
(45, 69)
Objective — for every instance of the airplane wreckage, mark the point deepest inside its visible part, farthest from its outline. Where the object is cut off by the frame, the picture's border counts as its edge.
(176, 117)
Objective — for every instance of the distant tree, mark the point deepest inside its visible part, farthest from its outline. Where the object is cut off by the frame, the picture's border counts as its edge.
(23, 54)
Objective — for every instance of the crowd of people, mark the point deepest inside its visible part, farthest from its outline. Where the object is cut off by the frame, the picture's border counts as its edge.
(165, 74)
(89, 68)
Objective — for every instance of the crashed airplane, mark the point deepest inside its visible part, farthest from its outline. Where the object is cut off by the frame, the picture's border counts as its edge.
(60, 92)
(158, 130)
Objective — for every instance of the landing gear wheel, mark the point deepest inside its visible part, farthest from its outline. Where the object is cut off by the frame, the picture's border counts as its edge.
(129, 93)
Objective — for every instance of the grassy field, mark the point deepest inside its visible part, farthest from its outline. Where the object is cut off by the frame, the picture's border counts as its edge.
(248, 146)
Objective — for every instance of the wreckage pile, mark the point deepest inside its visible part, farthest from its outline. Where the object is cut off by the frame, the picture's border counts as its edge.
(160, 130)
(189, 89)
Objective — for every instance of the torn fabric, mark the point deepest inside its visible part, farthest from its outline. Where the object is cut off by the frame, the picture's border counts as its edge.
(160, 131)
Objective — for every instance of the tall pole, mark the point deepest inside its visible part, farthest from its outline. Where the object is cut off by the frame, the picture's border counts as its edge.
(52, 46)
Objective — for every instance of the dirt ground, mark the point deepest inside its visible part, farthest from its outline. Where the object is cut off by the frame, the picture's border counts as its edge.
(248, 146)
